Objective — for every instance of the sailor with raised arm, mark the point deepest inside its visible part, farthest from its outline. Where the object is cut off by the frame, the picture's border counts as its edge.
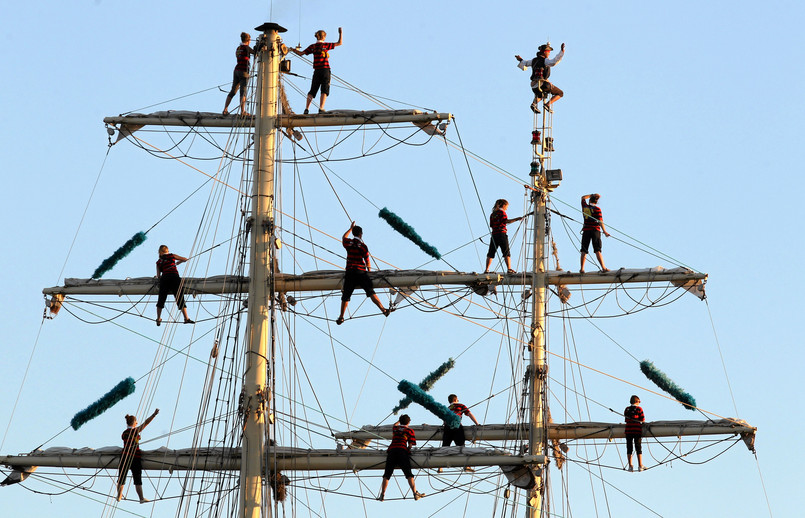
(592, 228)
(321, 67)
(358, 264)
(130, 458)
(540, 72)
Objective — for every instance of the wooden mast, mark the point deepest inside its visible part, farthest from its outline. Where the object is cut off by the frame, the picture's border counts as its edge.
(256, 395)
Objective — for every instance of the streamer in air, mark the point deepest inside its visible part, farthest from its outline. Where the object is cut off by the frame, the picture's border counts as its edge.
(110, 262)
(405, 229)
(121, 390)
(427, 383)
(664, 382)
(418, 395)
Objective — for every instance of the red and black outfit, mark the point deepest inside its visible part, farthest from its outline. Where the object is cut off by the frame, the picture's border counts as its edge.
(169, 281)
(455, 434)
(355, 275)
(634, 428)
(240, 77)
(500, 238)
(131, 458)
(321, 66)
(591, 230)
(399, 452)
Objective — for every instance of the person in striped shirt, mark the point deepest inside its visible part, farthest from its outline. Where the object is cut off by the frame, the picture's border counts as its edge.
(170, 282)
(131, 457)
(399, 456)
(456, 435)
(240, 77)
(321, 67)
(358, 264)
(500, 237)
(634, 432)
(592, 228)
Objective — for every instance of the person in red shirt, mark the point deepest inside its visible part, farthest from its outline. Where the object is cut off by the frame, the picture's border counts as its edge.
(240, 77)
(358, 264)
(399, 456)
(321, 67)
(131, 457)
(500, 238)
(456, 435)
(170, 282)
(591, 229)
(634, 432)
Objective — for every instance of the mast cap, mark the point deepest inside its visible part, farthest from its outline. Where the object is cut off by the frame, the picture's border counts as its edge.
(271, 26)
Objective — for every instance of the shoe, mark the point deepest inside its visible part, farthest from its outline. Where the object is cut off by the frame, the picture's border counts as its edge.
(439, 470)
(322, 111)
(535, 107)
(418, 495)
(469, 469)
(245, 114)
(307, 111)
(159, 322)
(225, 112)
(381, 497)
(339, 321)
(188, 321)
(387, 311)
(630, 469)
(604, 270)
(144, 500)
(510, 271)
(548, 108)
(642, 468)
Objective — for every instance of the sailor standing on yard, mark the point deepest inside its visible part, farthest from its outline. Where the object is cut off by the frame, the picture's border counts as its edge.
(541, 71)
(457, 435)
(634, 432)
(591, 231)
(500, 237)
(358, 264)
(399, 456)
(240, 77)
(130, 458)
(170, 282)
(321, 67)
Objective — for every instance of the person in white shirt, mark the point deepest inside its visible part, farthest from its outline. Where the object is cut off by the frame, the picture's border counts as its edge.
(541, 71)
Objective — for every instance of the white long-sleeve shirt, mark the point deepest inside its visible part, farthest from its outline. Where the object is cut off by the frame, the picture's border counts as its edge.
(549, 62)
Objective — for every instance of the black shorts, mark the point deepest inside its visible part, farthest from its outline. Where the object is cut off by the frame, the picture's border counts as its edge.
(321, 78)
(354, 278)
(637, 440)
(545, 88)
(398, 458)
(453, 434)
(240, 79)
(590, 235)
(169, 285)
(135, 464)
(501, 241)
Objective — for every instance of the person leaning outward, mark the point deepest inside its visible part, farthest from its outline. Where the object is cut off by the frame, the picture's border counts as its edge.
(500, 237)
(634, 432)
(592, 228)
(321, 66)
(456, 435)
(130, 458)
(399, 456)
(358, 264)
(170, 282)
(240, 77)
(540, 72)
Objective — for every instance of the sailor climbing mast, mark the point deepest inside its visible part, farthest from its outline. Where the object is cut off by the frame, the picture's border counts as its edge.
(256, 396)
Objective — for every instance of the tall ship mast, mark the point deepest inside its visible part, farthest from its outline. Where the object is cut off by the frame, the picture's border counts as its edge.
(256, 449)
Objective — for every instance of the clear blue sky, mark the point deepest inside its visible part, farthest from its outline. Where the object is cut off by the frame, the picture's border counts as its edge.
(686, 117)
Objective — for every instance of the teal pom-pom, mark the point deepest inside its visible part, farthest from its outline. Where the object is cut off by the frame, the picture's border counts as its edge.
(110, 262)
(121, 390)
(405, 229)
(664, 382)
(427, 383)
(426, 400)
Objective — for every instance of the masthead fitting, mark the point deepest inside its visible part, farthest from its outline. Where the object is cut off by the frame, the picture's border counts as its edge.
(271, 26)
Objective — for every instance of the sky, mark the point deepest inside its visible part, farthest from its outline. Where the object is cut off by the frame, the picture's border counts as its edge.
(685, 117)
